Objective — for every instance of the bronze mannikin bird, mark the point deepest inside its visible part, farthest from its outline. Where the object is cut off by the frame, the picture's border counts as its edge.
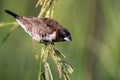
(43, 30)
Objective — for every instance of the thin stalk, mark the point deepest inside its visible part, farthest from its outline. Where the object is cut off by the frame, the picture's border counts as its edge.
(50, 73)
(40, 69)
(9, 32)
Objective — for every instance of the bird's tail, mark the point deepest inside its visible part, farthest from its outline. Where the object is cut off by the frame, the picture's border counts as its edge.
(11, 13)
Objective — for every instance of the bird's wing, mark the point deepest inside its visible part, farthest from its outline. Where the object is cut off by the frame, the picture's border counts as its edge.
(39, 26)
(51, 23)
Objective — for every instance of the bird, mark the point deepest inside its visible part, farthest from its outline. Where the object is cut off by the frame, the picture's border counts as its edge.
(43, 30)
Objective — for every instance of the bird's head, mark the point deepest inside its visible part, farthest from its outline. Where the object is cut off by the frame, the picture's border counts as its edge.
(65, 35)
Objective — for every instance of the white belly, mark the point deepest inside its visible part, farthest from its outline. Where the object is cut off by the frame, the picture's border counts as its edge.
(48, 37)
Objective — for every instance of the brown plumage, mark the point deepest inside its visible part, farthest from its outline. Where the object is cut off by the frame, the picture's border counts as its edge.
(44, 30)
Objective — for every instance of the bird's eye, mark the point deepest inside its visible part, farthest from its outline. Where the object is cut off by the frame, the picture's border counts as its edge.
(64, 34)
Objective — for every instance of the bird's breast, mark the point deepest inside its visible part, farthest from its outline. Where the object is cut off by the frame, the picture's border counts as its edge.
(44, 37)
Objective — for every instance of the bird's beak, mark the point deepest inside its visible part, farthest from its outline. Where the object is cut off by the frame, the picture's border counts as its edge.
(67, 38)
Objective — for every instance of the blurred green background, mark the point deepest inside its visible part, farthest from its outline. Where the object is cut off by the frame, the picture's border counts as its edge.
(94, 51)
